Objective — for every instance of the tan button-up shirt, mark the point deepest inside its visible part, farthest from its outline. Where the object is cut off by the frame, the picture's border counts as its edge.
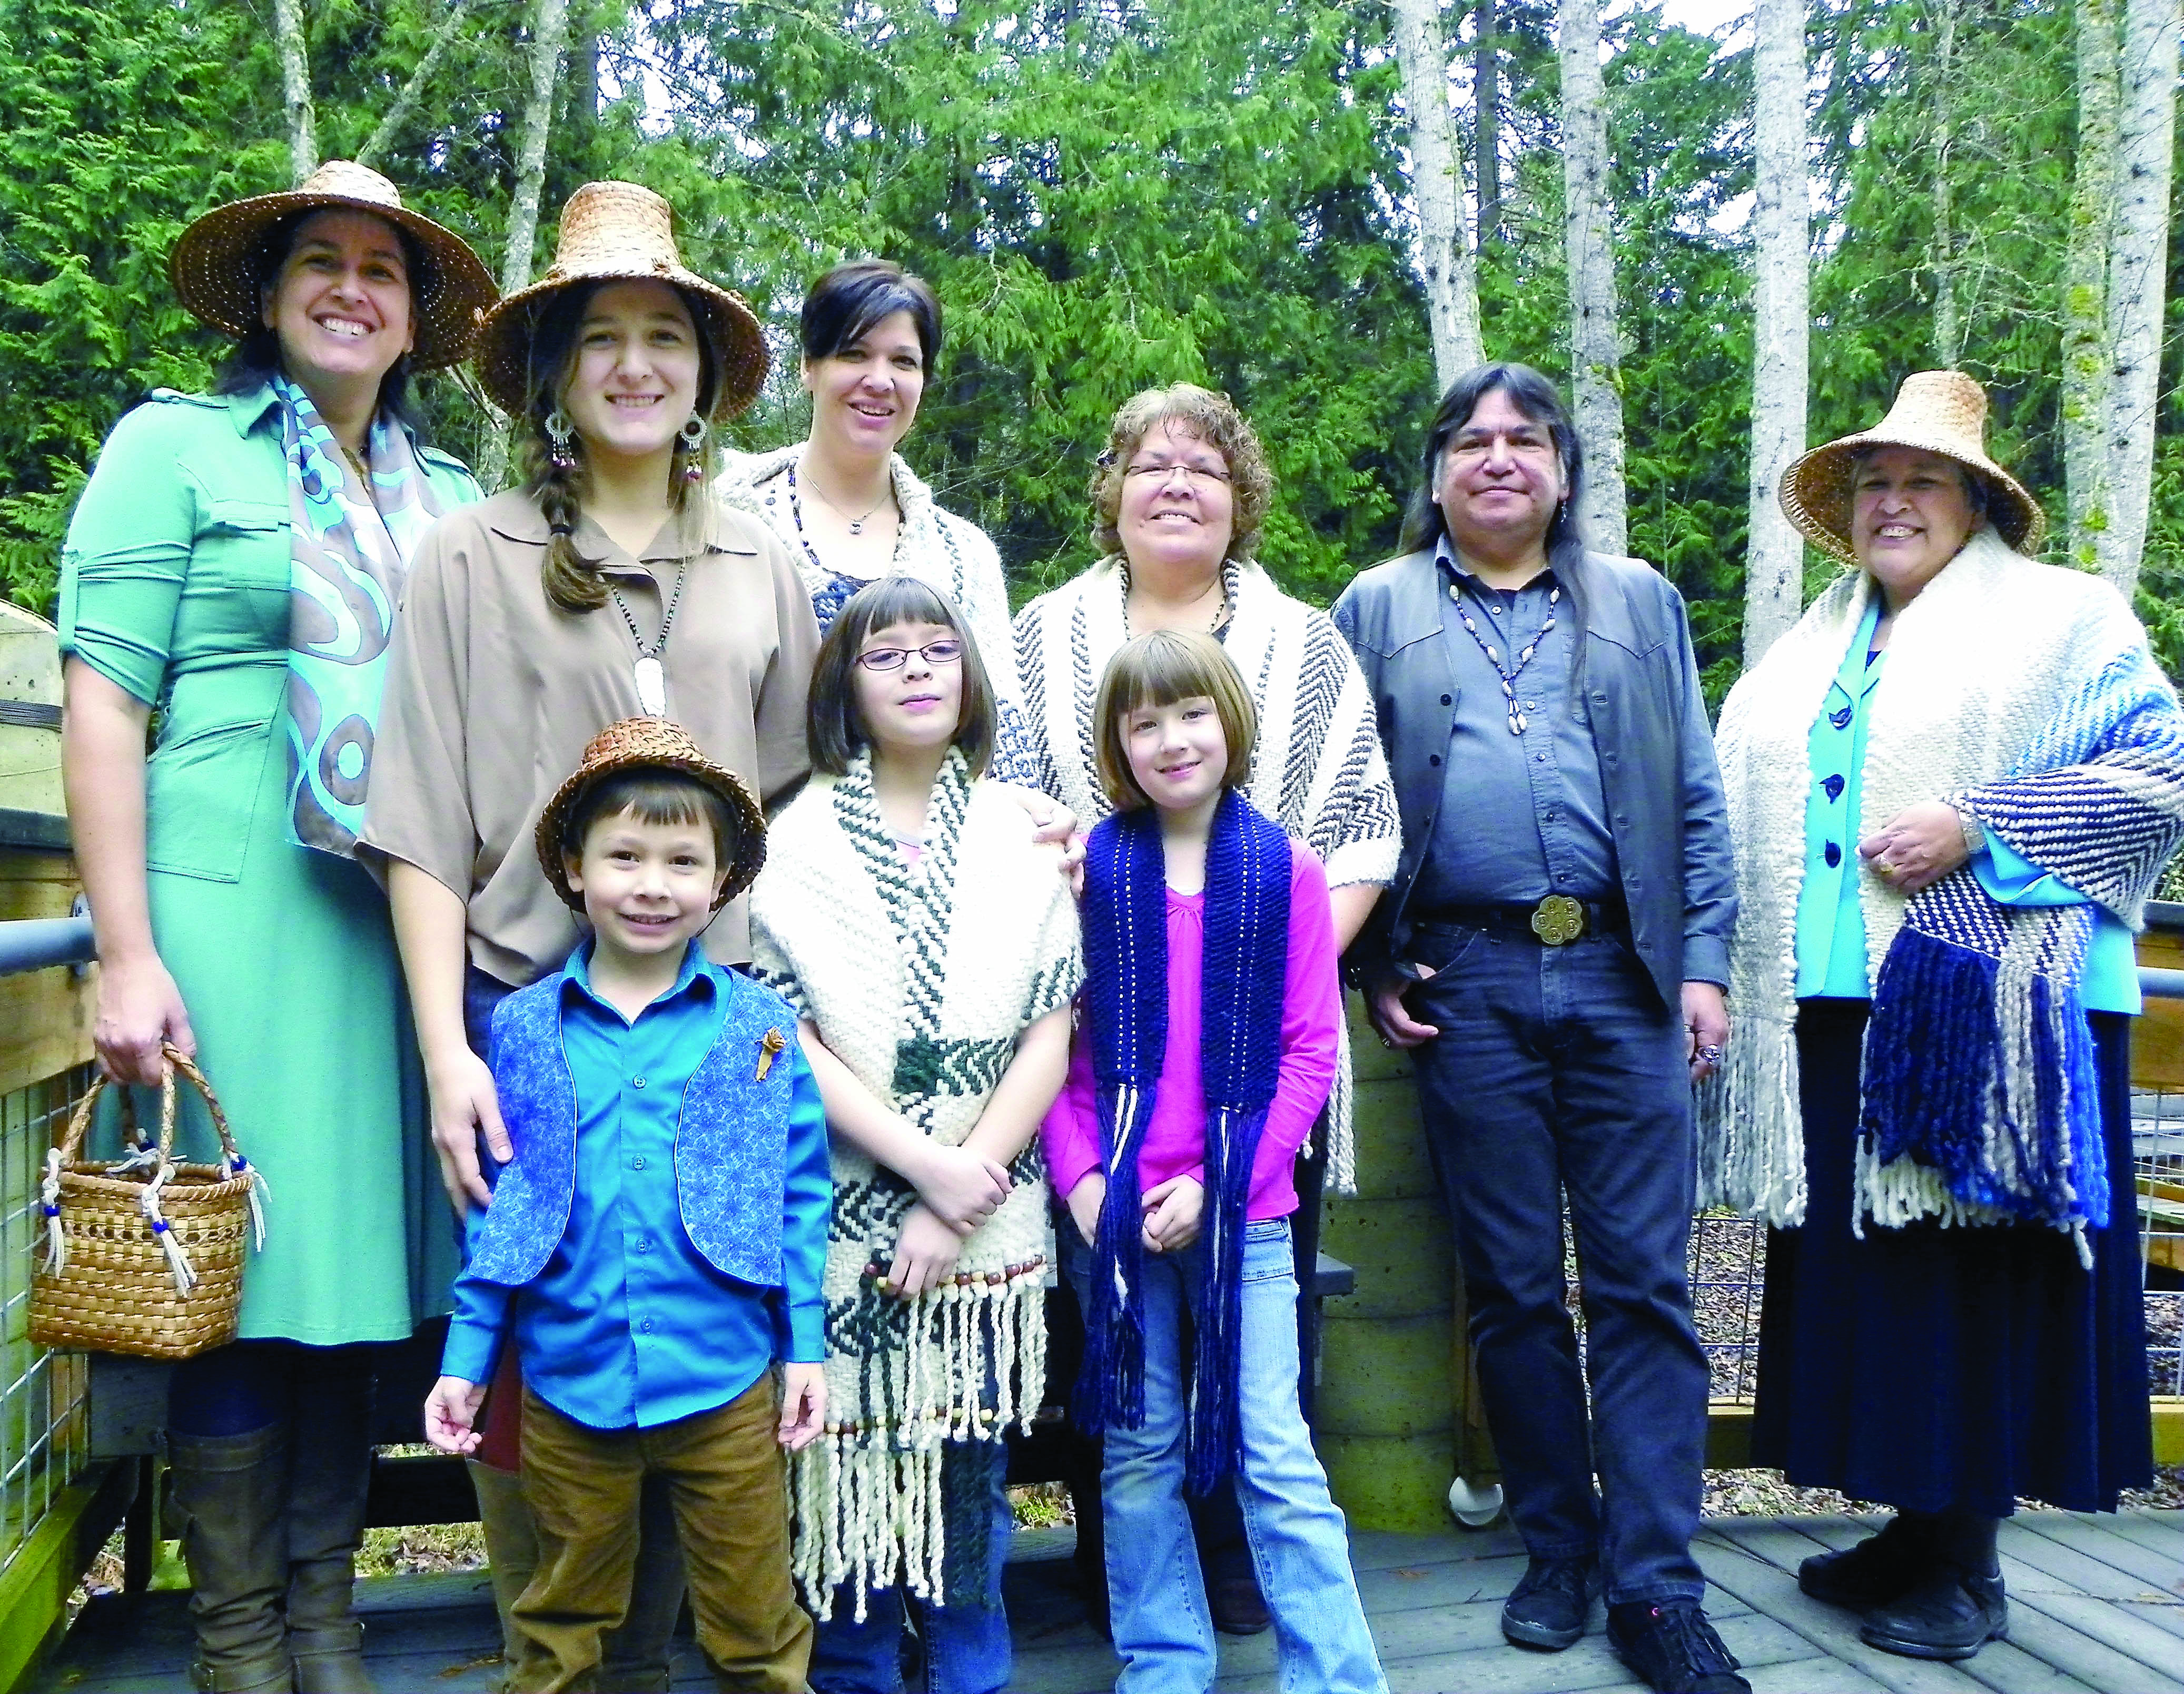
(491, 695)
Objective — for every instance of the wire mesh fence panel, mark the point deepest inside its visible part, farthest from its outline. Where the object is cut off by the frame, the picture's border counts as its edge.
(2157, 1138)
(44, 1422)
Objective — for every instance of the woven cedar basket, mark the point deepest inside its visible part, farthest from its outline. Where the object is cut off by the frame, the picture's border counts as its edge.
(116, 1292)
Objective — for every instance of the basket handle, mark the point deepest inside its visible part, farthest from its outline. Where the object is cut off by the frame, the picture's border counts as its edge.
(177, 1060)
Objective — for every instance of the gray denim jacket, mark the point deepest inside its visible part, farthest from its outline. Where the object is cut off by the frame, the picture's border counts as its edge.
(1649, 727)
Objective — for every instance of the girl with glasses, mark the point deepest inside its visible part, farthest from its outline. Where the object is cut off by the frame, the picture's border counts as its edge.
(930, 948)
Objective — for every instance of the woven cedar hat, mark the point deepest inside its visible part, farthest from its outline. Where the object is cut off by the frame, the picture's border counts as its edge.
(662, 744)
(611, 232)
(212, 266)
(1936, 411)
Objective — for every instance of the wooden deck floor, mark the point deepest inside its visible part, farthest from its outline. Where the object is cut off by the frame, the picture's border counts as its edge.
(2097, 1607)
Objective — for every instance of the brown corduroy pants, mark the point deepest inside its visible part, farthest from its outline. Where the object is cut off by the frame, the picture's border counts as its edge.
(728, 1479)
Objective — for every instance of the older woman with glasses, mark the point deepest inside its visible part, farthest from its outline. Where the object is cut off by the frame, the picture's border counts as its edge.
(1180, 496)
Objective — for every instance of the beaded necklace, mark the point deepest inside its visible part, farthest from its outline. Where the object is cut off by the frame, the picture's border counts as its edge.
(1508, 676)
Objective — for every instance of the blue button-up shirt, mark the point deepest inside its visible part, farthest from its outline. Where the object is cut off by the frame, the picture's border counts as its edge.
(1831, 939)
(1493, 782)
(629, 1324)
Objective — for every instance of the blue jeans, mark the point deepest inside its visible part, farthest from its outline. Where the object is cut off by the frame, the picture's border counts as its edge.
(1299, 1547)
(1557, 1070)
(966, 1642)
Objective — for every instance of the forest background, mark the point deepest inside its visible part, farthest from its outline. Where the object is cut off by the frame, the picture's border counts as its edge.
(1109, 195)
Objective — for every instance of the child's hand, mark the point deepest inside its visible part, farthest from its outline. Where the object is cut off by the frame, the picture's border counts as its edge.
(925, 1254)
(1084, 1202)
(803, 1405)
(1172, 1213)
(451, 1411)
(961, 1187)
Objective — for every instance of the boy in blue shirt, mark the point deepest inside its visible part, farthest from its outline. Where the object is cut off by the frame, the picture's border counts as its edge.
(657, 1242)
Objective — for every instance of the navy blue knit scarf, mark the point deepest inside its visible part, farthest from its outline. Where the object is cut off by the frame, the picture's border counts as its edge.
(1125, 922)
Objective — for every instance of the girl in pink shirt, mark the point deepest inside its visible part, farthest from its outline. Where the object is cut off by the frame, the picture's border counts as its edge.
(1210, 1017)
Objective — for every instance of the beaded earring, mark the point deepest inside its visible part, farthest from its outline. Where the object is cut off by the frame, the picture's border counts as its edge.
(689, 439)
(560, 431)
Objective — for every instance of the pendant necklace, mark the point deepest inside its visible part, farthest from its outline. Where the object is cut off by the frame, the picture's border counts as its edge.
(651, 674)
(856, 524)
(1220, 603)
(1508, 677)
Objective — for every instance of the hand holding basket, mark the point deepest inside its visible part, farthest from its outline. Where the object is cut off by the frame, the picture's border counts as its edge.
(145, 1257)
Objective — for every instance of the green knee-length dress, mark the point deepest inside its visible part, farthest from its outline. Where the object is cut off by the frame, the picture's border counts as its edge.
(174, 586)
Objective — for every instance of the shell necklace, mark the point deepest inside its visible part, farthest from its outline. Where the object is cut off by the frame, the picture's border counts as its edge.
(1508, 676)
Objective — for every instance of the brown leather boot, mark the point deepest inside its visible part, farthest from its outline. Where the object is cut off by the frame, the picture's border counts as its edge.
(329, 1477)
(231, 1492)
(511, 1544)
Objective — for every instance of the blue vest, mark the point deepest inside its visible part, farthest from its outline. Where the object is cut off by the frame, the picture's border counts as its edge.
(731, 1140)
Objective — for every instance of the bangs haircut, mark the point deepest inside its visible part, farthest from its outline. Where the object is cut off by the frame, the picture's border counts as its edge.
(1158, 670)
(844, 305)
(834, 728)
(654, 795)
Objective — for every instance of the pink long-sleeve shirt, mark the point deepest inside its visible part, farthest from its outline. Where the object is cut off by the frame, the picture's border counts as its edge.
(1175, 1139)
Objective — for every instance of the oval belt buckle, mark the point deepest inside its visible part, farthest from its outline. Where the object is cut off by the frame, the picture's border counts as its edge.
(1558, 920)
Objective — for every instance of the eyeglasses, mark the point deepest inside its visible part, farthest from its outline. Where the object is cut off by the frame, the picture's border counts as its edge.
(1199, 475)
(894, 658)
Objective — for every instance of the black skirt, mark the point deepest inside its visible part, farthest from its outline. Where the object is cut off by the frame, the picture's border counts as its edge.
(1927, 1368)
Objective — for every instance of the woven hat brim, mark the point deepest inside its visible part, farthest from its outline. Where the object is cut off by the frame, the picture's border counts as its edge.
(750, 818)
(740, 358)
(1815, 491)
(210, 268)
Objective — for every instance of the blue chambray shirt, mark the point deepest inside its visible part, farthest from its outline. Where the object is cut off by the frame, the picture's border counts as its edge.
(1830, 921)
(1482, 853)
(629, 1325)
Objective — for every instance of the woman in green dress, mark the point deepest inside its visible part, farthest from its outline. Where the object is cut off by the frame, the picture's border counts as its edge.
(234, 564)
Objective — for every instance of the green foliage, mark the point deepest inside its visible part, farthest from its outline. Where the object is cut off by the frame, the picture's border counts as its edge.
(1106, 200)
(116, 124)
(1107, 194)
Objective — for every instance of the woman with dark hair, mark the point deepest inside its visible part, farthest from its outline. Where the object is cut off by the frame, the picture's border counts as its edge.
(1952, 786)
(234, 563)
(842, 500)
(612, 583)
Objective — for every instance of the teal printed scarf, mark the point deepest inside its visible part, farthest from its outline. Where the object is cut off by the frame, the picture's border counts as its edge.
(348, 560)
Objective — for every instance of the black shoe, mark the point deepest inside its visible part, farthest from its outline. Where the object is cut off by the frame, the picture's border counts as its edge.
(1952, 1614)
(1879, 1571)
(1548, 1607)
(1671, 1645)
(1235, 1604)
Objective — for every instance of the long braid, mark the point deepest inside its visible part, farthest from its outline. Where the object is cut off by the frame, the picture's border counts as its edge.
(572, 581)
(560, 481)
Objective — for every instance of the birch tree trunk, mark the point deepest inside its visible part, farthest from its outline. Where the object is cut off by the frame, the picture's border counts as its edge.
(1948, 324)
(2085, 283)
(1486, 99)
(1774, 560)
(550, 34)
(296, 87)
(2146, 128)
(1595, 357)
(1445, 256)
(389, 128)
